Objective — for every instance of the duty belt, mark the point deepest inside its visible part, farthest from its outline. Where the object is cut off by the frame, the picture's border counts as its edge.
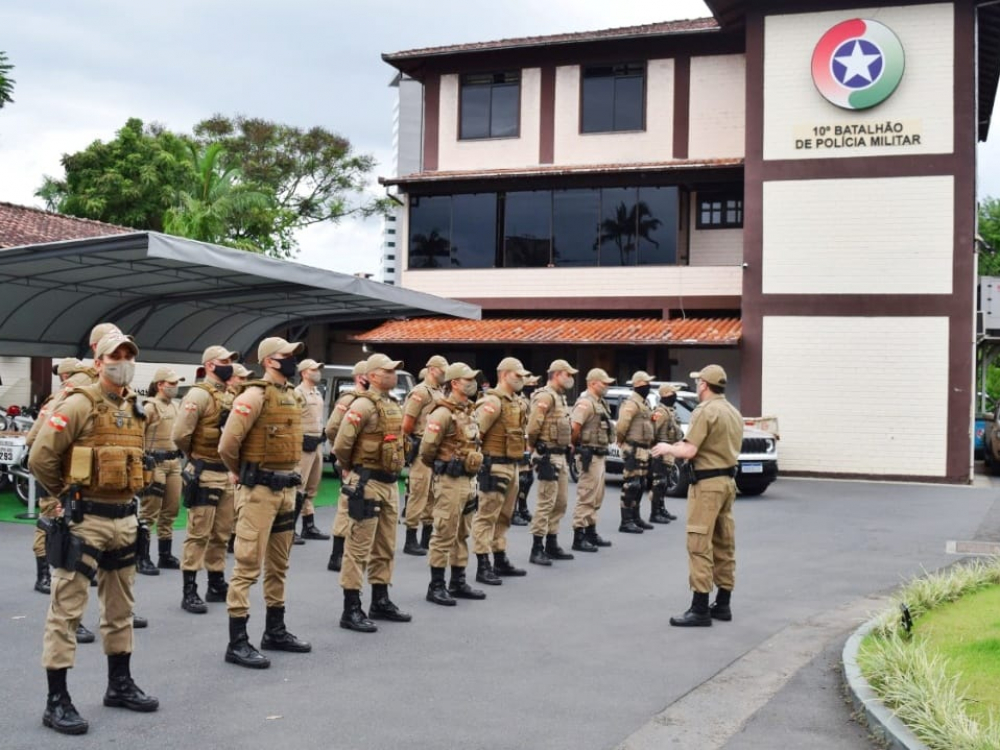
(637, 444)
(211, 466)
(502, 459)
(160, 456)
(108, 510)
(596, 451)
(386, 477)
(709, 473)
(555, 449)
(441, 467)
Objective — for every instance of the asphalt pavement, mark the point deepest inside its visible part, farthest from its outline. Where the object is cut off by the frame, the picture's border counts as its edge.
(579, 655)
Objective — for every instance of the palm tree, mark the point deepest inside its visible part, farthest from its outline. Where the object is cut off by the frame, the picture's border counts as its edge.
(627, 224)
(429, 247)
(6, 82)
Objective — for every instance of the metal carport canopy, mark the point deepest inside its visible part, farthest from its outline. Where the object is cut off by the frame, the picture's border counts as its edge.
(178, 296)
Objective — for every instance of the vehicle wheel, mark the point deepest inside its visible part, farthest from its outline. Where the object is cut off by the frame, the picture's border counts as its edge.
(751, 487)
(21, 488)
(574, 469)
(677, 483)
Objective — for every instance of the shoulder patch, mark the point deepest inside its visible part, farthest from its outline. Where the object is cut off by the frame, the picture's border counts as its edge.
(242, 409)
(543, 405)
(656, 415)
(191, 406)
(353, 417)
(341, 407)
(58, 422)
(433, 427)
(489, 408)
(417, 397)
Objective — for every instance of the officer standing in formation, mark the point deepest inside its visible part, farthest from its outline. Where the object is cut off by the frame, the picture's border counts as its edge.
(420, 402)
(311, 468)
(261, 446)
(592, 433)
(549, 435)
(712, 444)
(369, 449)
(666, 429)
(525, 475)
(340, 408)
(161, 503)
(502, 417)
(635, 437)
(90, 451)
(450, 446)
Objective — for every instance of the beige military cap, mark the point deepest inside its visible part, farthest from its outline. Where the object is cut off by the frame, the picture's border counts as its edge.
(218, 352)
(423, 374)
(101, 330)
(111, 341)
(561, 365)
(533, 380)
(360, 368)
(241, 372)
(166, 375)
(666, 389)
(711, 374)
(438, 361)
(269, 347)
(309, 364)
(598, 374)
(458, 370)
(512, 364)
(381, 362)
(66, 365)
(641, 376)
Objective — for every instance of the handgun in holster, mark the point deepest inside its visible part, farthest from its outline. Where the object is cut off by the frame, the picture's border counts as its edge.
(547, 471)
(586, 457)
(471, 505)
(487, 483)
(689, 473)
(412, 449)
(358, 508)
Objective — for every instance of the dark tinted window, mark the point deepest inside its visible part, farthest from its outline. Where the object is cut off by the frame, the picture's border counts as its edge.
(656, 222)
(430, 232)
(474, 230)
(490, 105)
(618, 227)
(574, 227)
(527, 229)
(720, 211)
(612, 98)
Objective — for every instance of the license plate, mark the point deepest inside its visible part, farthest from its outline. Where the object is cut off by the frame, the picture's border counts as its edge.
(6, 456)
(752, 468)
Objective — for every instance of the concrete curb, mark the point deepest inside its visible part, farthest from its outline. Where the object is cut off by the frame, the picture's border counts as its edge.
(882, 722)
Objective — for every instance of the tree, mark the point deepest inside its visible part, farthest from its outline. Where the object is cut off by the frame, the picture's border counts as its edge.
(628, 222)
(6, 82)
(989, 230)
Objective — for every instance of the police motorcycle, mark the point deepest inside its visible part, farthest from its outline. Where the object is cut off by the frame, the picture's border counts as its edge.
(14, 463)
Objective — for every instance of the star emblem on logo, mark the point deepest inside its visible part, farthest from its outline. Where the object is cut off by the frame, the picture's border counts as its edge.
(857, 63)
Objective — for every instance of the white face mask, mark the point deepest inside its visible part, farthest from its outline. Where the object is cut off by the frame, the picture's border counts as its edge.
(315, 377)
(170, 391)
(119, 373)
(517, 384)
(567, 383)
(470, 388)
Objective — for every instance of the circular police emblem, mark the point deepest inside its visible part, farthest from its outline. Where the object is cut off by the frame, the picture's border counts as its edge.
(858, 64)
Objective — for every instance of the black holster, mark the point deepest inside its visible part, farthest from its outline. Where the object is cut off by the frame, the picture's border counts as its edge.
(630, 462)
(412, 450)
(690, 474)
(487, 483)
(586, 458)
(142, 540)
(471, 506)
(524, 481)
(191, 484)
(358, 508)
(547, 471)
(311, 442)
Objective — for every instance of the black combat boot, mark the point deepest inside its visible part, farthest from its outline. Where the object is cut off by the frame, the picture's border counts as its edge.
(581, 543)
(518, 518)
(276, 635)
(627, 525)
(502, 566)
(459, 589)
(83, 635)
(191, 602)
(217, 587)
(594, 538)
(139, 622)
(383, 607)
(554, 551)
(437, 592)
(697, 616)
(310, 530)
(337, 556)
(43, 578)
(166, 560)
(122, 691)
(637, 518)
(425, 536)
(484, 571)
(60, 713)
(720, 607)
(354, 618)
(240, 650)
(412, 546)
(538, 556)
(144, 566)
(658, 514)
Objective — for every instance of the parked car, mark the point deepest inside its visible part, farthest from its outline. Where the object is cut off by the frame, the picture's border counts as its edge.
(758, 459)
(991, 440)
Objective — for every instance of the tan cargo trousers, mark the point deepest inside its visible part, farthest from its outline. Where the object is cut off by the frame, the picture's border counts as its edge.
(265, 519)
(711, 534)
(492, 520)
(420, 504)
(589, 494)
(449, 545)
(209, 527)
(311, 471)
(552, 500)
(370, 544)
(162, 510)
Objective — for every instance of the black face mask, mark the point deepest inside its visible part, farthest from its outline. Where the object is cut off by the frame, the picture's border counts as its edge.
(642, 390)
(288, 366)
(223, 372)
(669, 400)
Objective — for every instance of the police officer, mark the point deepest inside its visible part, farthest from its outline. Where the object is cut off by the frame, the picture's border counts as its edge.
(340, 408)
(311, 468)
(450, 446)
(666, 429)
(712, 445)
(369, 449)
(261, 446)
(90, 451)
(161, 502)
(549, 435)
(501, 418)
(208, 490)
(592, 433)
(634, 433)
(240, 376)
(419, 403)
(525, 476)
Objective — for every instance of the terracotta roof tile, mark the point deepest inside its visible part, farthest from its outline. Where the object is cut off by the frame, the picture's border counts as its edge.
(677, 332)
(23, 225)
(623, 32)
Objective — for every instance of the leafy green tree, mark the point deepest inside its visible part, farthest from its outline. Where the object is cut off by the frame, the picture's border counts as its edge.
(6, 82)
(989, 230)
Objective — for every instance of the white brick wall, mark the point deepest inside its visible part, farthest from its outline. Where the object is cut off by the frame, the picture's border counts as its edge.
(924, 96)
(718, 107)
(713, 247)
(861, 236)
(858, 395)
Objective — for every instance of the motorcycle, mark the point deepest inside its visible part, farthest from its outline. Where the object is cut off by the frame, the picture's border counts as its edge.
(14, 465)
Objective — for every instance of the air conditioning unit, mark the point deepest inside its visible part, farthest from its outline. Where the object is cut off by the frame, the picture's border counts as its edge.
(989, 304)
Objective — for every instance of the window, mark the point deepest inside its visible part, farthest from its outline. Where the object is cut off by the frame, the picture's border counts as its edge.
(390, 257)
(618, 227)
(390, 270)
(719, 211)
(474, 230)
(612, 98)
(390, 244)
(430, 231)
(574, 227)
(527, 230)
(490, 105)
(390, 231)
(656, 225)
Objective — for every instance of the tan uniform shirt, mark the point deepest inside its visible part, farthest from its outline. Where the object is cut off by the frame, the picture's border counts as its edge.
(546, 403)
(588, 412)
(633, 408)
(361, 416)
(420, 403)
(195, 403)
(666, 428)
(337, 414)
(488, 412)
(161, 413)
(717, 432)
(246, 410)
(312, 415)
(440, 423)
(81, 377)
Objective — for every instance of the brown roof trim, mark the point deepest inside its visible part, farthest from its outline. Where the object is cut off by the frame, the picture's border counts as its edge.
(27, 225)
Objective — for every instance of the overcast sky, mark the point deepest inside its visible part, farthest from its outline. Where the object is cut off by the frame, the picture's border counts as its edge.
(84, 68)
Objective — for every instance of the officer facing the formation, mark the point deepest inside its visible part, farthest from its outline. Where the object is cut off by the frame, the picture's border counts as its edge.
(208, 490)
(549, 436)
(592, 433)
(525, 476)
(419, 403)
(311, 468)
(635, 436)
(261, 446)
(161, 502)
(712, 447)
(340, 408)
(666, 429)
(451, 448)
(369, 449)
(501, 417)
(89, 453)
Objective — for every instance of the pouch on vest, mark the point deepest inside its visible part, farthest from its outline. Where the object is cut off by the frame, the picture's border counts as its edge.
(137, 474)
(392, 457)
(113, 469)
(515, 443)
(472, 462)
(81, 464)
(563, 432)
